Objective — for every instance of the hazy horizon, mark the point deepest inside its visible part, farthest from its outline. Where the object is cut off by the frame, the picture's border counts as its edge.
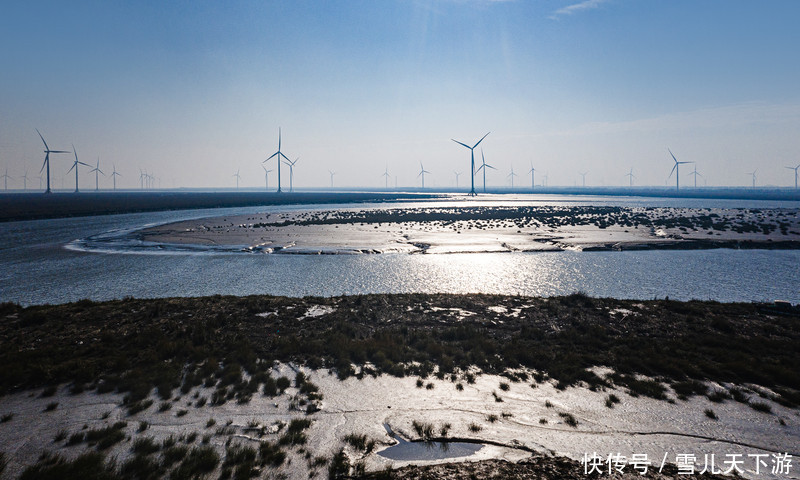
(194, 91)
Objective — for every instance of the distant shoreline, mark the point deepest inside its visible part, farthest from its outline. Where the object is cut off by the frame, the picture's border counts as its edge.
(32, 206)
(19, 206)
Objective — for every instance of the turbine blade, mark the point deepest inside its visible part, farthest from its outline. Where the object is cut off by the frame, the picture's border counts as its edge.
(461, 143)
(45, 143)
(673, 170)
(270, 157)
(673, 156)
(479, 141)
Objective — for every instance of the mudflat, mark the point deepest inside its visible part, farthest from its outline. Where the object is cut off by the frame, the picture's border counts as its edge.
(463, 229)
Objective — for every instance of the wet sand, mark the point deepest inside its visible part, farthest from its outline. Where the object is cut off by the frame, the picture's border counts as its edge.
(466, 229)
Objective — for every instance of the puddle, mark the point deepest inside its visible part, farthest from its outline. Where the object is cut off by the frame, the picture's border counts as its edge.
(413, 451)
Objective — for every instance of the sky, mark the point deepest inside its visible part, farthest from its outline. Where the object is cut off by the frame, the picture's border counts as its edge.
(194, 91)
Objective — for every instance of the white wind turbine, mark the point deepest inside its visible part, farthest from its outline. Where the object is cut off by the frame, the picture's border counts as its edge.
(75, 166)
(237, 178)
(676, 169)
(532, 171)
(795, 174)
(332, 174)
(46, 163)
(696, 174)
(422, 173)
(753, 174)
(630, 176)
(291, 173)
(114, 176)
(386, 177)
(512, 175)
(583, 174)
(472, 163)
(457, 174)
(266, 176)
(25, 180)
(279, 154)
(483, 167)
(97, 172)
(5, 179)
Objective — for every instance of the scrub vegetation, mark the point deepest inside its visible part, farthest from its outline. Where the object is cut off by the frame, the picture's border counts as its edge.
(139, 347)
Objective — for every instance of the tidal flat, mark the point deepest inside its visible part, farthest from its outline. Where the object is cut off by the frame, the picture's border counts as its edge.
(319, 387)
(473, 229)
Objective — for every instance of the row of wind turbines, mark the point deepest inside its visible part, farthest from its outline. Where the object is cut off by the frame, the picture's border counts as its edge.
(281, 158)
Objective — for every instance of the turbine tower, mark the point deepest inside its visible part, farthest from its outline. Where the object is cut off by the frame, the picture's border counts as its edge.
(114, 176)
(696, 174)
(46, 163)
(512, 175)
(237, 178)
(279, 154)
(291, 173)
(422, 173)
(266, 177)
(484, 166)
(676, 169)
(97, 173)
(795, 174)
(457, 174)
(753, 174)
(472, 163)
(630, 176)
(532, 171)
(332, 174)
(5, 179)
(75, 166)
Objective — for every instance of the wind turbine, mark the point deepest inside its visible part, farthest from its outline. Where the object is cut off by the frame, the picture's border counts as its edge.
(291, 173)
(696, 174)
(46, 163)
(386, 177)
(114, 176)
(5, 179)
(97, 173)
(237, 178)
(584, 177)
(753, 174)
(484, 166)
(75, 166)
(457, 174)
(532, 171)
(631, 176)
(332, 174)
(512, 175)
(279, 155)
(142, 176)
(422, 173)
(795, 174)
(472, 163)
(25, 180)
(676, 169)
(266, 177)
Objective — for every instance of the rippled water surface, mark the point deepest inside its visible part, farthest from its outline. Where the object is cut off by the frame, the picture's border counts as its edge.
(36, 268)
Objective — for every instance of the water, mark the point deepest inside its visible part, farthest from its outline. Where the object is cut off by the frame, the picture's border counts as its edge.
(36, 268)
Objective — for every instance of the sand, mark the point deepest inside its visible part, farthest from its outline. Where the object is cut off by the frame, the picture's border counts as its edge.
(440, 230)
(634, 426)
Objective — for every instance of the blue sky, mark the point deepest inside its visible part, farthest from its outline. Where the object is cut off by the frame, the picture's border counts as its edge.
(193, 91)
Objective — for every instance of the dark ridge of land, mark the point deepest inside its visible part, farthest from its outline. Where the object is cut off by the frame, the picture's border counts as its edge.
(32, 206)
(135, 345)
